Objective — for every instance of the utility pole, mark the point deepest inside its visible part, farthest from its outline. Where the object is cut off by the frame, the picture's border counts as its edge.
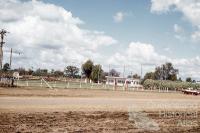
(10, 57)
(109, 70)
(124, 71)
(141, 72)
(2, 34)
(98, 73)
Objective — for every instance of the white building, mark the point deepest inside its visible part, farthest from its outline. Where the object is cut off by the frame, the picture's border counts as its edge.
(198, 82)
(123, 82)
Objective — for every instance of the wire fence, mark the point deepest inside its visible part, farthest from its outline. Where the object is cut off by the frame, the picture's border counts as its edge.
(65, 84)
(69, 84)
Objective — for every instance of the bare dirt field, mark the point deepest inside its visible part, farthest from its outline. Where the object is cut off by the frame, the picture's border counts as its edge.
(84, 110)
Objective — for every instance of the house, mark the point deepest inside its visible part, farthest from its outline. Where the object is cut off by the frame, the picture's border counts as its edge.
(123, 82)
(118, 81)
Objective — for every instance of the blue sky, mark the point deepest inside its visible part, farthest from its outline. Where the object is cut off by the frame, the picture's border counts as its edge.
(110, 32)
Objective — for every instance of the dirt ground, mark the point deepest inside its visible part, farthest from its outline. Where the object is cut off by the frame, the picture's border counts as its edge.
(45, 92)
(26, 110)
(81, 122)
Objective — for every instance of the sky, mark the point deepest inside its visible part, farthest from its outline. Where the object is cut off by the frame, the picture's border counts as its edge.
(116, 33)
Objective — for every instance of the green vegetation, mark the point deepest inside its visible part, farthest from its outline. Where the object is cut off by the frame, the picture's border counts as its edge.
(114, 73)
(72, 71)
(87, 68)
(96, 73)
(6, 67)
(171, 85)
(93, 72)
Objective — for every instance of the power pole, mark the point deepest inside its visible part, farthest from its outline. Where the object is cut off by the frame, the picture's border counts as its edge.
(98, 73)
(141, 72)
(2, 34)
(124, 71)
(109, 71)
(10, 57)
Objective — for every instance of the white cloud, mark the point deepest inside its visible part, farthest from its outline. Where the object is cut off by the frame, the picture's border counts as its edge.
(137, 52)
(48, 35)
(179, 33)
(167, 49)
(189, 8)
(143, 53)
(119, 17)
(178, 28)
(196, 36)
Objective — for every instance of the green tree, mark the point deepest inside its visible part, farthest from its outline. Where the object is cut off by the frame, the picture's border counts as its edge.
(72, 71)
(40, 72)
(6, 67)
(136, 76)
(180, 79)
(114, 73)
(97, 73)
(87, 68)
(188, 79)
(58, 73)
(149, 75)
(30, 71)
(166, 72)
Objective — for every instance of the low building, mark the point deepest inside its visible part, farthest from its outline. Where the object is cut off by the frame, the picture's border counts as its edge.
(118, 81)
(198, 82)
(123, 82)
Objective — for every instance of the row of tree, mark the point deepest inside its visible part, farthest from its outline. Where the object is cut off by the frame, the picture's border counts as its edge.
(88, 70)
(95, 72)
(165, 72)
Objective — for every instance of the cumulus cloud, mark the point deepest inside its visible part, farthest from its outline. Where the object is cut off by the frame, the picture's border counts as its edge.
(143, 53)
(48, 35)
(138, 52)
(119, 17)
(189, 8)
(196, 36)
(178, 28)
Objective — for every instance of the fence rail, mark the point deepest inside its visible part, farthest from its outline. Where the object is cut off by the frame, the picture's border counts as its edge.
(64, 84)
(76, 85)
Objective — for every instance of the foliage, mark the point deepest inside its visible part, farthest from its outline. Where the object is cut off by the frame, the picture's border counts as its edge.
(97, 73)
(30, 71)
(136, 76)
(166, 72)
(188, 79)
(58, 73)
(71, 71)
(114, 73)
(149, 75)
(163, 72)
(6, 67)
(171, 85)
(87, 68)
(41, 72)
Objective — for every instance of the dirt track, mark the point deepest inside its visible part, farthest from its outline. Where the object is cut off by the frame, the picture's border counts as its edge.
(75, 110)
(45, 92)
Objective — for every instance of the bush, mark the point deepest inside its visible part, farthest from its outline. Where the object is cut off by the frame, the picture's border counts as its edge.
(171, 85)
